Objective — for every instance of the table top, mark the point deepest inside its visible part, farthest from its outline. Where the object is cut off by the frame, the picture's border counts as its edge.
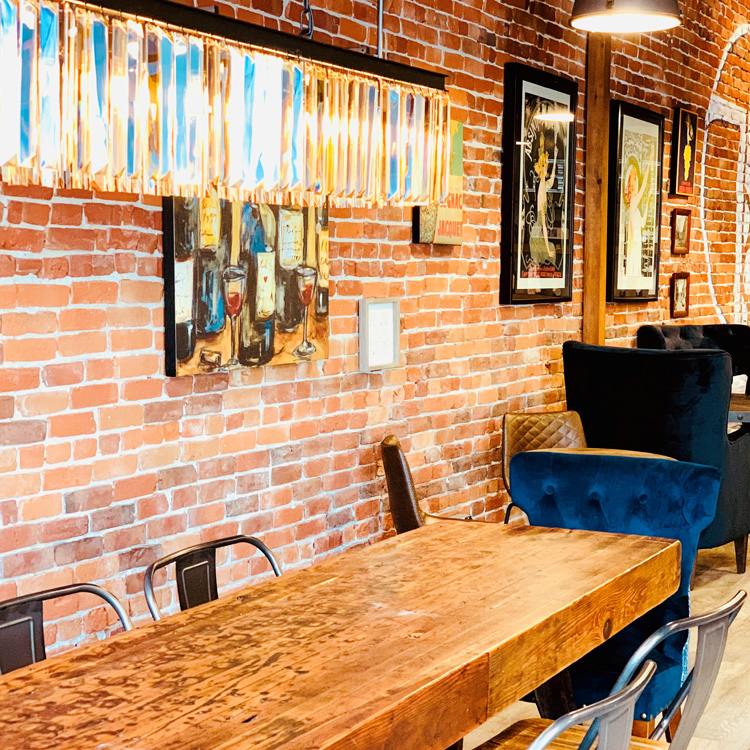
(739, 408)
(408, 643)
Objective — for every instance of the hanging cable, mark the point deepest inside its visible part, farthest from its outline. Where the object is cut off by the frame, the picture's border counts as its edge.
(306, 22)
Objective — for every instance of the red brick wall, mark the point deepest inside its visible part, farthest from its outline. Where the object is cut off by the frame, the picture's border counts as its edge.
(106, 464)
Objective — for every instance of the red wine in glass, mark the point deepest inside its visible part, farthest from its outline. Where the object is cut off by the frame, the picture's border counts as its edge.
(306, 277)
(234, 278)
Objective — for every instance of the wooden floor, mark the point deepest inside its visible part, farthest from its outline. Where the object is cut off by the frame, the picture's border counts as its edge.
(726, 723)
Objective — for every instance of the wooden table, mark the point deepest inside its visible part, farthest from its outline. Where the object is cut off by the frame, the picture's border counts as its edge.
(739, 408)
(409, 644)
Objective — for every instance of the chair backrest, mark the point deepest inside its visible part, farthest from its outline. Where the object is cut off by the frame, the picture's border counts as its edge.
(524, 431)
(195, 572)
(22, 624)
(675, 403)
(614, 716)
(711, 639)
(733, 338)
(621, 494)
(402, 497)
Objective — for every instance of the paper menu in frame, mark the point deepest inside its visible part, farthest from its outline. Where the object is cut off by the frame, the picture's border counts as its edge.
(379, 332)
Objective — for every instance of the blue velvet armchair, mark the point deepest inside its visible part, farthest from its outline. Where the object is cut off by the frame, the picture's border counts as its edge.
(631, 495)
(674, 403)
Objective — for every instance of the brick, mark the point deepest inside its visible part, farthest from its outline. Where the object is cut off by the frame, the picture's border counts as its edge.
(29, 350)
(139, 557)
(176, 476)
(43, 506)
(18, 379)
(70, 425)
(67, 476)
(22, 432)
(93, 395)
(118, 417)
(42, 295)
(18, 324)
(139, 486)
(67, 374)
(82, 549)
(44, 403)
(162, 411)
(28, 562)
(89, 499)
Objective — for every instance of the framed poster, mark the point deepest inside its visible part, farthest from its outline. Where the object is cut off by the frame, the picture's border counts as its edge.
(539, 148)
(635, 182)
(245, 284)
(684, 149)
(681, 225)
(379, 334)
(442, 223)
(679, 295)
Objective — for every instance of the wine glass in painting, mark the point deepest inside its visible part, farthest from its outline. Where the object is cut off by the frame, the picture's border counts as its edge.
(306, 278)
(234, 280)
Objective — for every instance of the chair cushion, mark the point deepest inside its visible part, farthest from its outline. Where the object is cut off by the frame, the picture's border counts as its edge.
(521, 734)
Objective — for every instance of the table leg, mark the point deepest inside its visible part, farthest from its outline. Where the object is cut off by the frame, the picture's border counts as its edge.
(555, 697)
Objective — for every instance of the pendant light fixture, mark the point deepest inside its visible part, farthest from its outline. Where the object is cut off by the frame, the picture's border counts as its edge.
(625, 16)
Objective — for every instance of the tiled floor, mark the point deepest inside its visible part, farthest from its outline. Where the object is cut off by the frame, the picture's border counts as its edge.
(726, 722)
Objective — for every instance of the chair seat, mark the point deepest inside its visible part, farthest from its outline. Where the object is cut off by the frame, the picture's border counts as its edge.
(523, 733)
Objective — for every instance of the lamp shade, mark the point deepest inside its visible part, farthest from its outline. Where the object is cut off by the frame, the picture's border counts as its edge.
(625, 16)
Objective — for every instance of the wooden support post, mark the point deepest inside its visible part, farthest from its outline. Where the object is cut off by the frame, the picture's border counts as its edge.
(598, 73)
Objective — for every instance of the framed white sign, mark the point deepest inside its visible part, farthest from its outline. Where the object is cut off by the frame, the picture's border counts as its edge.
(379, 332)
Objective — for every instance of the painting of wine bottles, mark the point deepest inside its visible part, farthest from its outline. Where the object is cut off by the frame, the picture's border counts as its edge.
(245, 284)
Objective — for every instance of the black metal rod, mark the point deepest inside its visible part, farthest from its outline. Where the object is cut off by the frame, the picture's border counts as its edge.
(239, 31)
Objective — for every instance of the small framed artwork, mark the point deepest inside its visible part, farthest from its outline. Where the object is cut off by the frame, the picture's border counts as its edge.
(681, 224)
(379, 333)
(679, 295)
(539, 149)
(442, 223)
(636, 149)
(684, 149)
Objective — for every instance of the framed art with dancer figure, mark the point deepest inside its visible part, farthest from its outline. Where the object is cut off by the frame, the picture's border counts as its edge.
(636, 149)
(539, 147)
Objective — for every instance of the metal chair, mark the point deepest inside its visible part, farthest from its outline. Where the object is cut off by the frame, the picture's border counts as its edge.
(524, 431)
(613, 714)
(691, 700)
(196, 572)
(402, 495)
(22, 623)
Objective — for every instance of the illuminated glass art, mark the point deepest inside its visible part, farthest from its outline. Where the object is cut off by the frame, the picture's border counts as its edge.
(95, 99)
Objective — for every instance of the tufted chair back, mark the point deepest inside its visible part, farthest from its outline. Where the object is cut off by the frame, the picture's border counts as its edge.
(731, 338)
(524, 431)
(629, 495)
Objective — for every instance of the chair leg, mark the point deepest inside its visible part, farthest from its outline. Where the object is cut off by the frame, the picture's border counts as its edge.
(672, 728)
(740, 553)
(644, 729)
(555, 697)
(510, 507)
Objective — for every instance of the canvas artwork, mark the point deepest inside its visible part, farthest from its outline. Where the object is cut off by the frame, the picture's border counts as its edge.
(635, 203)
(246, 284)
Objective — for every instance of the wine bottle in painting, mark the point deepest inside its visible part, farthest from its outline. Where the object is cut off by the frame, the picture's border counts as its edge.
(321, 255)
(184, 277)
(257, 321)
(291, 245)
(215, 226)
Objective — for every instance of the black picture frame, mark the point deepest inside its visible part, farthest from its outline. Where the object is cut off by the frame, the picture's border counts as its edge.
(633, 264)
(536, 259)
(684, 151)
